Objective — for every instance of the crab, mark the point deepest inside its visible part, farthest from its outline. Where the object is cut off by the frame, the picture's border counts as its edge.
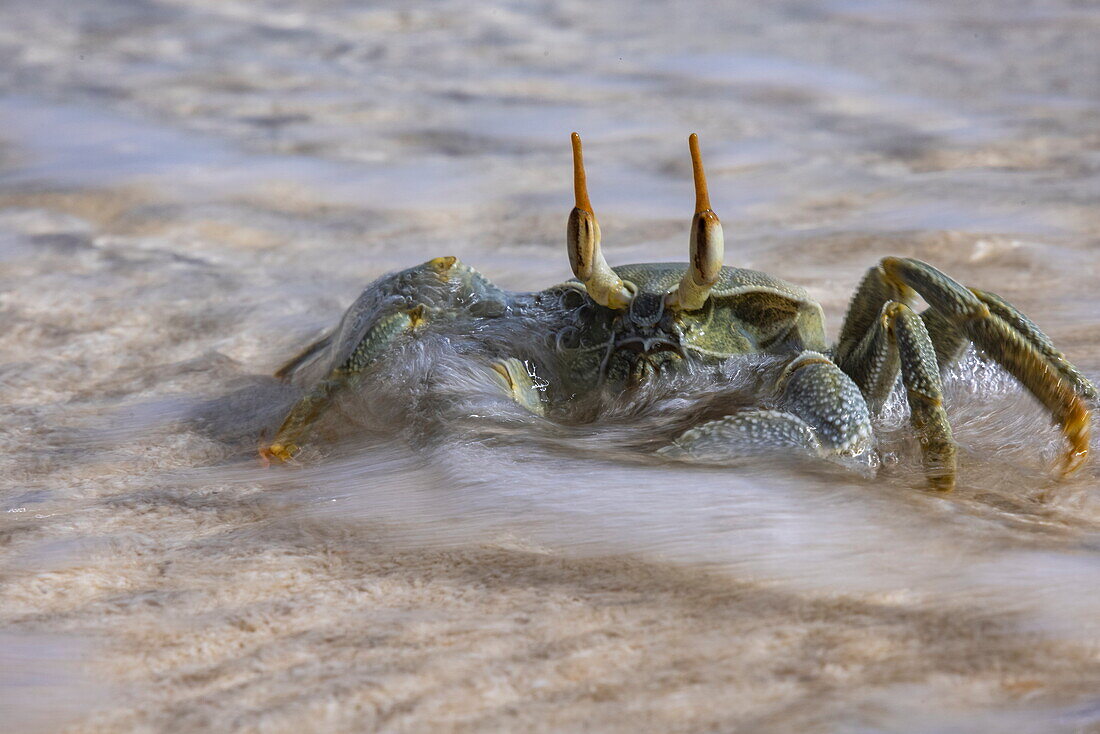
(613, 329)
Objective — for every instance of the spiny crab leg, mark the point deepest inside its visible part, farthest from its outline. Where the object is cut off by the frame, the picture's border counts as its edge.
(707, 245)
(583, 242)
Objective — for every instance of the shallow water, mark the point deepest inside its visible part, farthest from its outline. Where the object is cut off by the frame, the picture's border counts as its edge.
(191, 192)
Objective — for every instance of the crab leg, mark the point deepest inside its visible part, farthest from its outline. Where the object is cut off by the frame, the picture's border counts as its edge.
(950, 339)
(399, 304)
(303, 357)
(958, 314)
(897, 340)
(1027, 329)
(317, 400)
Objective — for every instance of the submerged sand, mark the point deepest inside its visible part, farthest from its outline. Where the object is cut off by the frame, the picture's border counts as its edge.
(191, 191)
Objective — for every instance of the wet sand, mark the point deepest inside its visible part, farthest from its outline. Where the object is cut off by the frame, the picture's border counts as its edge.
(190, 192)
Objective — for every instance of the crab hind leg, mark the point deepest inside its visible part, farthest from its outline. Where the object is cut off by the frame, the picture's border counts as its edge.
(1041, 377)
(302, 357)
(897, 341)
(1027, 329)
(316, 401)
(396, 306)
(1008, 337)
(924, 392)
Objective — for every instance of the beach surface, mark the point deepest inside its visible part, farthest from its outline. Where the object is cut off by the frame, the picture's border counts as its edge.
(192, 191)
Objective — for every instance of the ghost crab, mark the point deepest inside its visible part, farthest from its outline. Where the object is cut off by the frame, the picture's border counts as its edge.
(612, 328)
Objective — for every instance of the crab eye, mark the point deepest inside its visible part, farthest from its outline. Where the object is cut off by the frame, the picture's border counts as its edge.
(706, 244)
(582, 239)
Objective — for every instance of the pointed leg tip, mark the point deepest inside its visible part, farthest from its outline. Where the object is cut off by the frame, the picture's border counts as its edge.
(1076, 430)
(940, 472)
(942, 483)
(277, 452)
(1073, 461)
(940, 462)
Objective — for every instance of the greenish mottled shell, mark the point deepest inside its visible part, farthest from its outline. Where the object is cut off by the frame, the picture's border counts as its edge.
(663, 277)
(748, 312)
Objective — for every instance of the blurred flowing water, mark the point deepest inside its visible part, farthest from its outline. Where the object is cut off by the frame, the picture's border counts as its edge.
(192, 191)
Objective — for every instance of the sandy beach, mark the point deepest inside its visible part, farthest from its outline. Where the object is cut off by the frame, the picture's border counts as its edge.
(192, 191)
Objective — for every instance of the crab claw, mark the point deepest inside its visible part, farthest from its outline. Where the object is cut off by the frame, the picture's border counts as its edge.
(707, 245)
(583, 243)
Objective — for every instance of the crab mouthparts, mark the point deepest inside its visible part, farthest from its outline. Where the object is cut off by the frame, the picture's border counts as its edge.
(647, 346)
(646, 356)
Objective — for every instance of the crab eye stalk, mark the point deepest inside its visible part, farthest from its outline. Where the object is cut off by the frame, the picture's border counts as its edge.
(707, 245)
(583, 244)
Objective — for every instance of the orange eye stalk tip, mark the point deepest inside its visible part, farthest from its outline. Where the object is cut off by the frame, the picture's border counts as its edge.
(702, 196)
(580, 183)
